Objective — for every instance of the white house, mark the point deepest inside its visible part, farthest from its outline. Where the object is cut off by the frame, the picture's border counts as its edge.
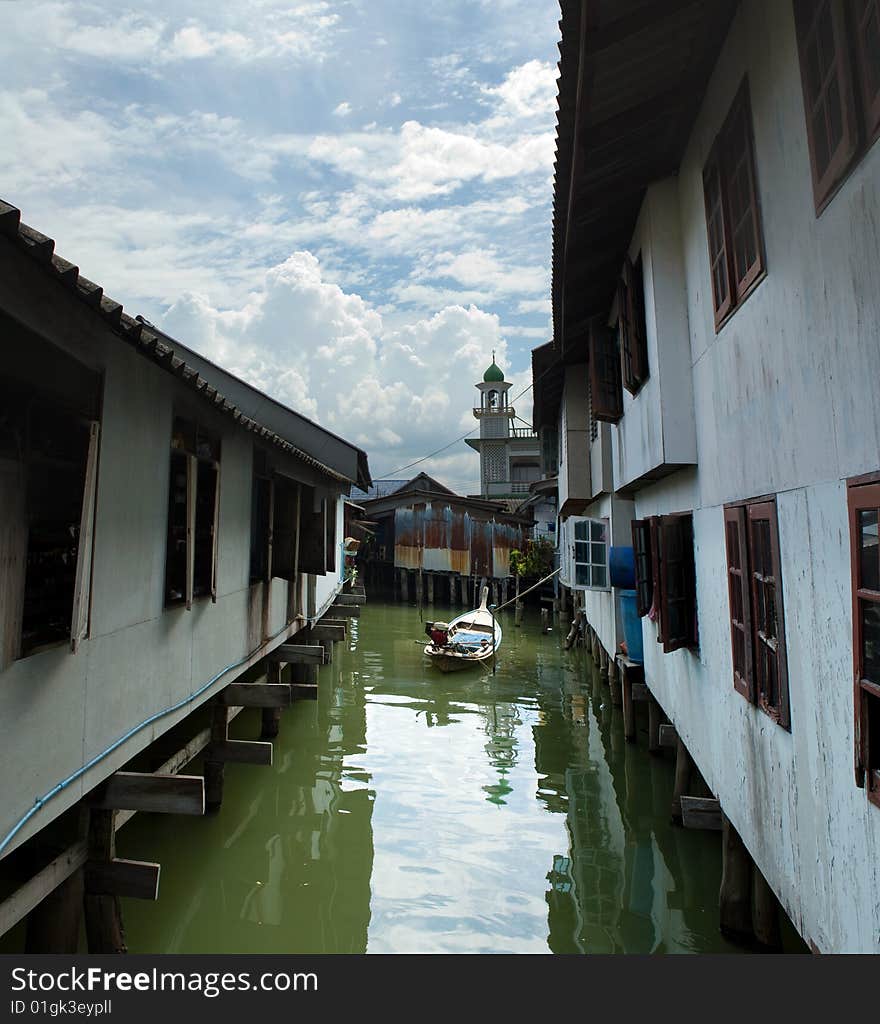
(163, 528)
(717, 337)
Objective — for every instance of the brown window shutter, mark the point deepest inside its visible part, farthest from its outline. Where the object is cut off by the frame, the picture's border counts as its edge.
(740, 601)
(657, 574)
(641, 536)
(717, 231)
(634, 279)
(745, 240)
(284, 528)
(868, 43)
(605, 386)
(624, 330)
(828, 96)
(768, 620)
(864, 514)
(677, 595)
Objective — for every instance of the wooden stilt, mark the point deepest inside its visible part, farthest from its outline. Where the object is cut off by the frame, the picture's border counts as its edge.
(430, 577)
(734, 899)
(54, 925)
(765, 911)
(452, 590)
(479, 597)
(629, 708)
(214, 770)
(614, 683)
(504, 591)
(655, 720)
(603, 662)
(305, 682)
(495, 598)
(545, 620)
(403, 584)
(103, 914)
(271, 717)
(464, 590)
(684, 770)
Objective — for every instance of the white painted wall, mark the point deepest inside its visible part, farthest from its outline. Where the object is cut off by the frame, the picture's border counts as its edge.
(57, 709)
(785, 402)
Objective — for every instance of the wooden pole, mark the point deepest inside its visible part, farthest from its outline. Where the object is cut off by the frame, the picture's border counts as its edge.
(518, 606)
(629, 708)
(54, 925)
(545, 620)
(504, 591)
(103, 913)
(734, 898)
(603, 662)
(765, 911)
(614, 683)
(214, 770)
(271, 717)
(430, 577)
(464, 590)
(684, 770)
(452, 590)
(655, 720)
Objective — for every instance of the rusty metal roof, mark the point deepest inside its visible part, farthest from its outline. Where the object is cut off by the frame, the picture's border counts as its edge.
(148, 342)
(632, 77)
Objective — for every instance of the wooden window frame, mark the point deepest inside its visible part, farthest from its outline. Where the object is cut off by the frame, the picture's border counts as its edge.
(750, 685)
(575, 562)
(606, 390)
(726, 154)
(193, 461)
(863, 493)
(859, 111)
(654, 533)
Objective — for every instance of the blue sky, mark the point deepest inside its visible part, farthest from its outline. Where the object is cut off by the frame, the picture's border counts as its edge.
(345, 201)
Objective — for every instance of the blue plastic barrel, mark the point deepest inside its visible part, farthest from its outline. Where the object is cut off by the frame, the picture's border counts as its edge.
(632, 625)
(622, 567)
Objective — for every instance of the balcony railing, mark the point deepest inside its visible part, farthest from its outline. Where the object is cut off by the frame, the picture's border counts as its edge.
(497, 411)
(524, 432)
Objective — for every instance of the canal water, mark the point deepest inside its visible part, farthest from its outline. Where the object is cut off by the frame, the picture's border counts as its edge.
(413, 811)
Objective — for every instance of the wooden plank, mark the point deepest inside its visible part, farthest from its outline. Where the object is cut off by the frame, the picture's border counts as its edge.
(17, 906)
(349, 611)
(299, 654)
(668, 736)
(640, 692)
(328, 634)
(241, 752)
(350, 599)
(135, 878)
(322, 623)
(701, 812)
(304, 691)
(82, 591)
(256, 695)
(163, 794)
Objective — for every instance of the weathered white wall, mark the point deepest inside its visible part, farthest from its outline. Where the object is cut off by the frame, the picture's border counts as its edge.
(785, 402)
(58, 709)
(658, 426)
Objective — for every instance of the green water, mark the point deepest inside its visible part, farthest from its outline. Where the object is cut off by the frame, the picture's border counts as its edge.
(413, 811)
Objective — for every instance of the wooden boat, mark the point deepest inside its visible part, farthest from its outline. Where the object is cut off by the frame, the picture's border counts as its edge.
(469, 639)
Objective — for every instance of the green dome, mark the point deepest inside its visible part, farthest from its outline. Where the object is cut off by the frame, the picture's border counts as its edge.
(493, 374)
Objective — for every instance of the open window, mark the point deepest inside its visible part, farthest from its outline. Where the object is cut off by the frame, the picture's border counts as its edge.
(193, 514)
(666, 584)
(606, 396)
(49, 444)
(864, 517)
(631, 325)
(313, 526)
(757, 622)
(262, 500)
(588, 568)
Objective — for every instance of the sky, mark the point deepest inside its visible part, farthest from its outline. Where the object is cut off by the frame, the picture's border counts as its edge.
(345, 202)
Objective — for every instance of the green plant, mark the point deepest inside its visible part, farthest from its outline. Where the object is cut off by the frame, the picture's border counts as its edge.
(535, 560)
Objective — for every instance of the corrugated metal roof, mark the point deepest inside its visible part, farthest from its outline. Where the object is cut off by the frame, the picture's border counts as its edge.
(147, 342)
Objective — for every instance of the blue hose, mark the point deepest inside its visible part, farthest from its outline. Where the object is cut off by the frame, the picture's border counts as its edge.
(41, 801)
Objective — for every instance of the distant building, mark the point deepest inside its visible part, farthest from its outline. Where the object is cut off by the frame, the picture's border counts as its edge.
(510, 457)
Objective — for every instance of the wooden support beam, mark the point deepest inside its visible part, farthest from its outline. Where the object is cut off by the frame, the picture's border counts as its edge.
(668, 736)
(640, 692)
(256, 695)
(734, 897)
(700, 812)
(684, 771)
(629, 710)
(326, 633)
(299, 654)
(41, 885)
(348, 611)
(655, 720)
(118, 877)
(103, 913)
(304, 691)
(162, 794)
(350, 599)
(241, 752)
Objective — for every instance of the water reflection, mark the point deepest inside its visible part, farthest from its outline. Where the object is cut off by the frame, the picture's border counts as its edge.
(408, 810)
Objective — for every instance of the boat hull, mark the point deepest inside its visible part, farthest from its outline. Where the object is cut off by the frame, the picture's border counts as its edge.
(474, 638)
(451, 662)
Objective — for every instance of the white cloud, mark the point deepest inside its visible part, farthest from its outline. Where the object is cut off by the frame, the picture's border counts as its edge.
(527, 91)
(342, 110)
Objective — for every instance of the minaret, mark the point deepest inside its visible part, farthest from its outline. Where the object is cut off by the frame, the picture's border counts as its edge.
(494, 415)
